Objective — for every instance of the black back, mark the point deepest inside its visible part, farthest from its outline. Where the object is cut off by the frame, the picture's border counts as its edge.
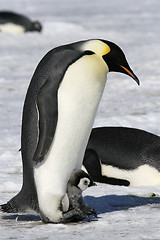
(125, 148)
(19, 19)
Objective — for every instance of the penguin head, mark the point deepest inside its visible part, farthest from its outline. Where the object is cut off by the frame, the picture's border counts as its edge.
(81, 179)
(36, 26)
(112, 55)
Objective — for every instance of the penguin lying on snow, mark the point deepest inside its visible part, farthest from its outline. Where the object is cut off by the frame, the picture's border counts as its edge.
(17, 23)
(123, 156)
(93, 165)
(58, 115)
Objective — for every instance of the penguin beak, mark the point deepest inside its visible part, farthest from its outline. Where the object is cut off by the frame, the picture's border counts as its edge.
(92, 184)
(129, 72)
(116, 61)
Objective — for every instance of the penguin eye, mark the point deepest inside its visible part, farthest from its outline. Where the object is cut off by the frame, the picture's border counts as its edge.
(86, 182)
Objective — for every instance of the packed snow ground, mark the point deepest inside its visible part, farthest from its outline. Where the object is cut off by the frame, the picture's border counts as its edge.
(134, 26)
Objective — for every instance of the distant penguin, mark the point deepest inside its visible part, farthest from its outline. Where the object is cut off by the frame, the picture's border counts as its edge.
(16, 23)
(73, 201)
(120, 155)
(58, 115)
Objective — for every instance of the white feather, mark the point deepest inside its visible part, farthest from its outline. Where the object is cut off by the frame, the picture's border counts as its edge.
(11, 28)
(84, 183)
(144, 175)
(65, 203)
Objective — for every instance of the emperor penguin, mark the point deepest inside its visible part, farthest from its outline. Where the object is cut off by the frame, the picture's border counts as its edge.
(73, 201)
(123, 156)
(58, 115)
(17, 23)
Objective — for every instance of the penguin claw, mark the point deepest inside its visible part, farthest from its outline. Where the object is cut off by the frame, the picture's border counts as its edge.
(89, 211)
(93, 212)
(86, 212)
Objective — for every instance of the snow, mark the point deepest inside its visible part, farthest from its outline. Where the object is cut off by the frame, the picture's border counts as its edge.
(134, 26)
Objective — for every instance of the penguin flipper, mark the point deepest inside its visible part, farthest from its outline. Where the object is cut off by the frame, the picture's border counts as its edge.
(48, 116)
(47, 102)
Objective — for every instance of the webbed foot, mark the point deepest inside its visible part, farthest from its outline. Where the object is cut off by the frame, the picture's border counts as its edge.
(89, 211)
(75, 215)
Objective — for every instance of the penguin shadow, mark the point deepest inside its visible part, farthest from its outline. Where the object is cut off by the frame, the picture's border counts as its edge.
(101, 205)
(22, 217)
(112, 203)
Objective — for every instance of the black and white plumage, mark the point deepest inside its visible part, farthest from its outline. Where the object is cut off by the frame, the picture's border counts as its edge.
(73, 203)
(58, 115)
(123, 156)
(17, 23)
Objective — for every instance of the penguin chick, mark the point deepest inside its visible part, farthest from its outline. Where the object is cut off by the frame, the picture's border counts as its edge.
(73, 204)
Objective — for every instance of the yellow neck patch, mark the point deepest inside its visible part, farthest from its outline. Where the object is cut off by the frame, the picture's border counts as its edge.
(98, 47)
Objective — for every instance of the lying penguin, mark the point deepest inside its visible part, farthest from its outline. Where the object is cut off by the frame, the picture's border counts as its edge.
(123, 156)
(16, 23)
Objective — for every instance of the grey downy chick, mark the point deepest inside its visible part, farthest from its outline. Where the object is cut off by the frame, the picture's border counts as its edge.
(73, 204)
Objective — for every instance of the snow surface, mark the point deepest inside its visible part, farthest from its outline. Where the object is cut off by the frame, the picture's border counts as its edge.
(134, 26)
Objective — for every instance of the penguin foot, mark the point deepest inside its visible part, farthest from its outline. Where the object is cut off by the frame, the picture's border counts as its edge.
(89, 211)
(75, 215)
(44, 219)
(8, 207)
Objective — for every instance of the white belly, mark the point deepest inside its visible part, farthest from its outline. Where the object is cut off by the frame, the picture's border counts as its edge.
(11, 28)
(144, 175)
(78, 98)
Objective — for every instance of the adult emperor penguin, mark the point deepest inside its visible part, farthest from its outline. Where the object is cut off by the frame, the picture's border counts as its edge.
(17, 23)
(123, 156)
(58, 115)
